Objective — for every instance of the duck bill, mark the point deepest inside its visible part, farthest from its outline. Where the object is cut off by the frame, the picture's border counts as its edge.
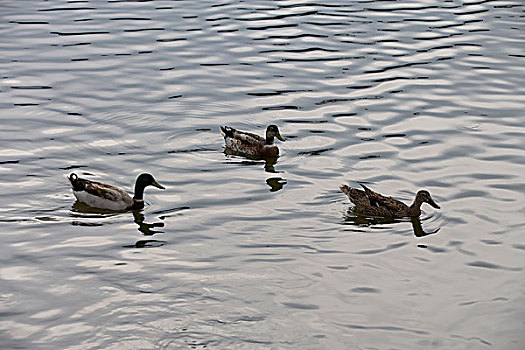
(278, 135)
(156, 184)
(432, 203)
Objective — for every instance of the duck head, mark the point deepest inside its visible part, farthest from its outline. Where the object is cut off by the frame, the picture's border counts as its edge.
(271, 132)
(424, 196)
(142, 182)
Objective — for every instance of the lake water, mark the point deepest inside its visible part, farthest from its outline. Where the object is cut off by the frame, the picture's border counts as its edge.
(247, 254)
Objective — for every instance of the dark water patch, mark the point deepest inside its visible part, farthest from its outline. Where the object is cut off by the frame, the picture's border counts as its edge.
(359, 87)
(433, 249)
(269, 260)
(69, 167)
(275, 17)
(308, 49)
(214, 64)
(89, 224)
(371, 156)
(396, 66)
(338, 115)
(366, 290)
(280, 108)
(143, 30)
(275, 93)
(294, 36)
(130, 19)
(394, 135)
(146, 243)
(395, 78)
(34, 87)
(384, 328)
(487, 265)
(472, 12)
(301, 306)
(491, 242)
(518, 246)
(217, 19)
(436, 37)
(275, 26)
(56, 9)
(315, 152)
(29, 22)
(76, 44)
(169, 40)
(80, 33)
(478, 339)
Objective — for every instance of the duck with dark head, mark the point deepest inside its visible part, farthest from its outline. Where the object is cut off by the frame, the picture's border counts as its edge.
(103, 196)
(253, 145)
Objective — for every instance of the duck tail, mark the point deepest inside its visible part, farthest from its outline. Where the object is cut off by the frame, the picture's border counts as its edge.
(226, 131)
(367, 190)
(345, 189)
(76, 182)
(352, 193)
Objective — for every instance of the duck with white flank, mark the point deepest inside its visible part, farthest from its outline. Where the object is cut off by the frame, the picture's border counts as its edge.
(104, 196)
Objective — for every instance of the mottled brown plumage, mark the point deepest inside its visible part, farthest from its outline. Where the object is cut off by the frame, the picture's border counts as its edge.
(250, 144)
(368, 202)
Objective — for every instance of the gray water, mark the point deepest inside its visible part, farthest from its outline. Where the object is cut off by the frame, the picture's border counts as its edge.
(246, 254)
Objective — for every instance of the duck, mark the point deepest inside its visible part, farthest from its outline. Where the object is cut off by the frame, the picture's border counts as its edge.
(103, 196)
(368, 202)
(250, 144)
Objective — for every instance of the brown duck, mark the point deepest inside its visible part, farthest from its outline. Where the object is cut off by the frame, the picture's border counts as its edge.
(250, 144)
(368, 202)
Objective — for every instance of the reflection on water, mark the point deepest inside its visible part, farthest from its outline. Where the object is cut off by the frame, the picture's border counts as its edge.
(354, 218)
(276, 183)
(89, 216)
(146, 243)
(250, 253)
(144, 227)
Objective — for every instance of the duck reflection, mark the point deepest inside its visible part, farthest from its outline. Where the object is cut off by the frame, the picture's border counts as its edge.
(144, 227)
(82, 210)
(276, 183)
(146, 243)
(354, 218)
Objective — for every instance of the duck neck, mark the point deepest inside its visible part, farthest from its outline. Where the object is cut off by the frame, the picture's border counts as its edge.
(139, 192)
(415, 208)
(269, 140)
(137, 204)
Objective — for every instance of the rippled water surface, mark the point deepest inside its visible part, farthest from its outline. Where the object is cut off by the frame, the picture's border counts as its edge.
(247, 254)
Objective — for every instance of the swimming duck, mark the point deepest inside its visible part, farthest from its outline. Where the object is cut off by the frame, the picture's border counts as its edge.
(250, 144)
(104, 196)
(368, 202)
